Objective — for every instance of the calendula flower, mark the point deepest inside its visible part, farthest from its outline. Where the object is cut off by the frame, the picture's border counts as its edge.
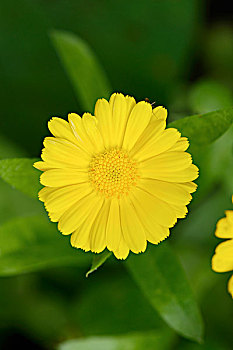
(117, 179)
(222, 260)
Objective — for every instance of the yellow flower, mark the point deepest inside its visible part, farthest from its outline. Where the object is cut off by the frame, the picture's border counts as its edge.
(222, 260)
(117, 179)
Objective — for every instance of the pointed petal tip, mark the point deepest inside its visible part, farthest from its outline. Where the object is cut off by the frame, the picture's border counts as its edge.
(37, 165)
(160, 112)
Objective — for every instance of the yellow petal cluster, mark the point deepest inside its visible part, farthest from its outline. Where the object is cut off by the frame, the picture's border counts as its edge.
(222, 260)
(118, 179)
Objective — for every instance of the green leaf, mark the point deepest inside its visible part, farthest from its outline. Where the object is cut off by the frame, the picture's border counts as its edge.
(20, 173)
(159, 340)
(33, 243)
(14, 203)
(9, 198)
(89, 79)
(162, 279)
(98, 260)
(205, 128)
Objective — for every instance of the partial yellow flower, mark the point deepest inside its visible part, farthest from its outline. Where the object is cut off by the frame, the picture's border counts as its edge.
(222, 260)
(117, 179)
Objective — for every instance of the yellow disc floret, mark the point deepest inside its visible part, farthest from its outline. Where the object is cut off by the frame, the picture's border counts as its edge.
(113, 173)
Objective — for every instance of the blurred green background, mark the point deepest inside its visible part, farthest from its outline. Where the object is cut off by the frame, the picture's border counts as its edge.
(177, 53)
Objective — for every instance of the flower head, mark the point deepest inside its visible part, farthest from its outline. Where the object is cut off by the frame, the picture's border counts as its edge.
(117, 179)
(222, 260)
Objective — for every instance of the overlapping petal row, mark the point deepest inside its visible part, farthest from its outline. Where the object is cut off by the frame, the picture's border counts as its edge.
(222, 260)
(117, 179)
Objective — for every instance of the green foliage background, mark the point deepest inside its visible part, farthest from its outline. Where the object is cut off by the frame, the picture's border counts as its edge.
(60, 56)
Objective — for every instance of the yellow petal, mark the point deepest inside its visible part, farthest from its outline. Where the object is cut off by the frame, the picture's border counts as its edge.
(118, 106)
(54, 217)
(188, 186)
(61, 153)
(229, 216)
(61, 128)
(180, 210)
(42, 166)
(137, 122)
(63, 198)
(169, 174)
(166, 162)
(113, 229)
(103, 114)
(157, 210)
(121, 107)
(130, 103)
(80, 238)
(44, 192)
(230, 286)
(181, 145)
(78, 129)
(90, 124)
(158, 145)
(158, 234)
(155, 232)
(224, 227)
(151, 133)
(74, 217)
(222, 260)
(63, 177)
(160, 112)
(133, 231)
(122, 251)
(98, 231)
(167, 191)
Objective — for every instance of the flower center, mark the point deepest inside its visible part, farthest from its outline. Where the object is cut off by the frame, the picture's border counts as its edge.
(113, 173)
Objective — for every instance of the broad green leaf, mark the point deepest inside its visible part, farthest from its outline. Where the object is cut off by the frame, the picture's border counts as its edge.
(14, 203)
(85, 72)
(162, 279)
(203, 129)
(159, 340)
(98, 260)
(33, 243)
(20, 173)
(216, 160)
